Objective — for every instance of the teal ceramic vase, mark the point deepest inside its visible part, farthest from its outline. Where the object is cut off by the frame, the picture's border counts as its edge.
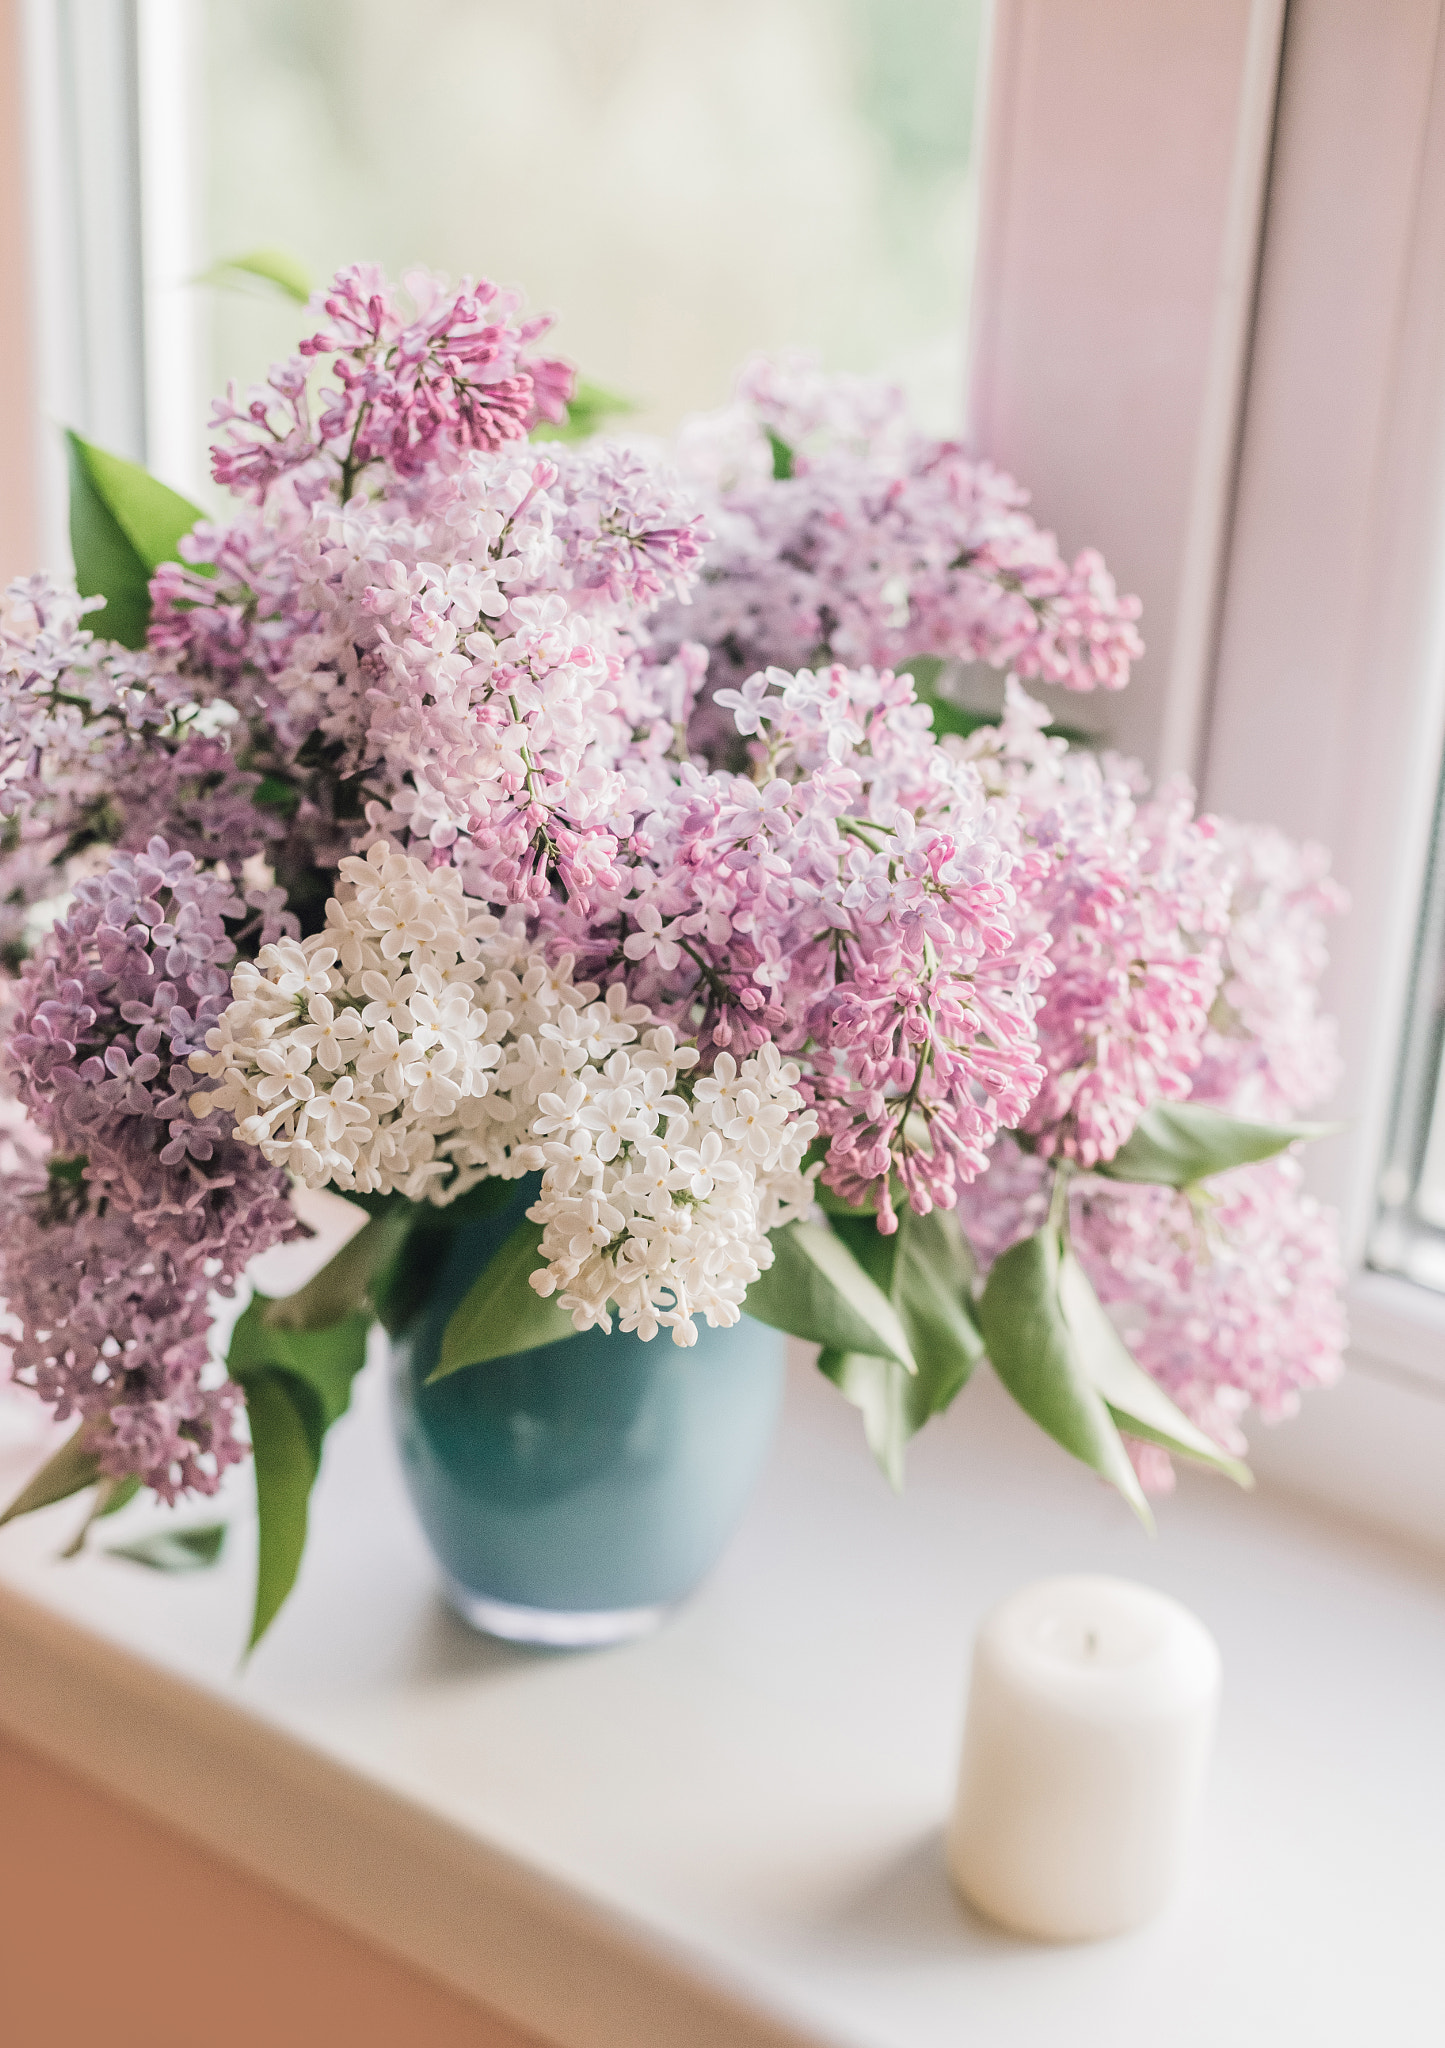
(574, 1494)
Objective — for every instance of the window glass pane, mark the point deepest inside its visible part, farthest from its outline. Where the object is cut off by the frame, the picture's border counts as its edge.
(1409, 1234)
(682, 183)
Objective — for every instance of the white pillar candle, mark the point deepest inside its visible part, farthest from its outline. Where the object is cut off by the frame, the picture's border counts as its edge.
(1090, 1718)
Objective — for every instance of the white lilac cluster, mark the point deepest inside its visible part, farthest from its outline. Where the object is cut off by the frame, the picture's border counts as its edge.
(344, 1056)
(419, 1045)
(660, 1190)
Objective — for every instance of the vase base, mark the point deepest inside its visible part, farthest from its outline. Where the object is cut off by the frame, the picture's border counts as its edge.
(553, 1628)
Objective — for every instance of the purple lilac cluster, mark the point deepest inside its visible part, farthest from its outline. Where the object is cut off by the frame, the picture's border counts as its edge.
(142, 1209)
(96, 745)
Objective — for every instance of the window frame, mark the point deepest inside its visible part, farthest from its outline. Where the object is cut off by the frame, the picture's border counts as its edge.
(1336, 576)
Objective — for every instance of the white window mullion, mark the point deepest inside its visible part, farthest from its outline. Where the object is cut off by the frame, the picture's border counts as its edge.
(167, 44)
(85, 237)
(1329, 711)
(1125, 153)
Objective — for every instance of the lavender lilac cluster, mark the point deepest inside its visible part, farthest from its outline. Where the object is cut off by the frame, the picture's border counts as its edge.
(142, 1208)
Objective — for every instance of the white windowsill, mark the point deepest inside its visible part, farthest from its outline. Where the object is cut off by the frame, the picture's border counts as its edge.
(729, 1833)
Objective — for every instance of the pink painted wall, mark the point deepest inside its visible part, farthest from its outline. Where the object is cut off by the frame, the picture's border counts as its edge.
(114, 1930)
(18, 533)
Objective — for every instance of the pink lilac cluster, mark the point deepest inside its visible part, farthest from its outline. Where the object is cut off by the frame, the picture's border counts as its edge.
(1268, 1049)
(459, 661)
(413, 386)
(876, 544)
(1134, 901)
(1230, 1296)
(142, 1208)
(854, 901)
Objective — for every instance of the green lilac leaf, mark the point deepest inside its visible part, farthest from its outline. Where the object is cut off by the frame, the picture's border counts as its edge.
(879, 1389)
(402, 1288)
(832, 1204)
(875, 1252)
(948, 717)
(933, 1276)
(69, 1470)
(957, 720)
(502, 1312)
(326, 1360)
(815, 1288)
(296, 1382)
(928, 1271)
(275, 793)
(485, 1198)
(123, 524)
(287, 1426)
(343, 1286)
(587, 410)
(121, 1495)
(175, 1550)
(1138, 1404)
(783, 457)
(1033, 1352)
(274, 267)
(1176, 1144)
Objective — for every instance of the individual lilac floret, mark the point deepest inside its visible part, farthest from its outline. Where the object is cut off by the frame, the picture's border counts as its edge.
(143, 1209)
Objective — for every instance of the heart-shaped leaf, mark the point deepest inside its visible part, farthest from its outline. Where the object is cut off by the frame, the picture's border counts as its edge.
(1138, 1404)
(123, 524)
(1177, 1143)
(815, 1288)
(175, 1550)
(1033, 1352)
(502, 1313)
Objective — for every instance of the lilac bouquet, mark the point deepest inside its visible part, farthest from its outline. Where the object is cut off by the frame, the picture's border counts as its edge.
(486, 801)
